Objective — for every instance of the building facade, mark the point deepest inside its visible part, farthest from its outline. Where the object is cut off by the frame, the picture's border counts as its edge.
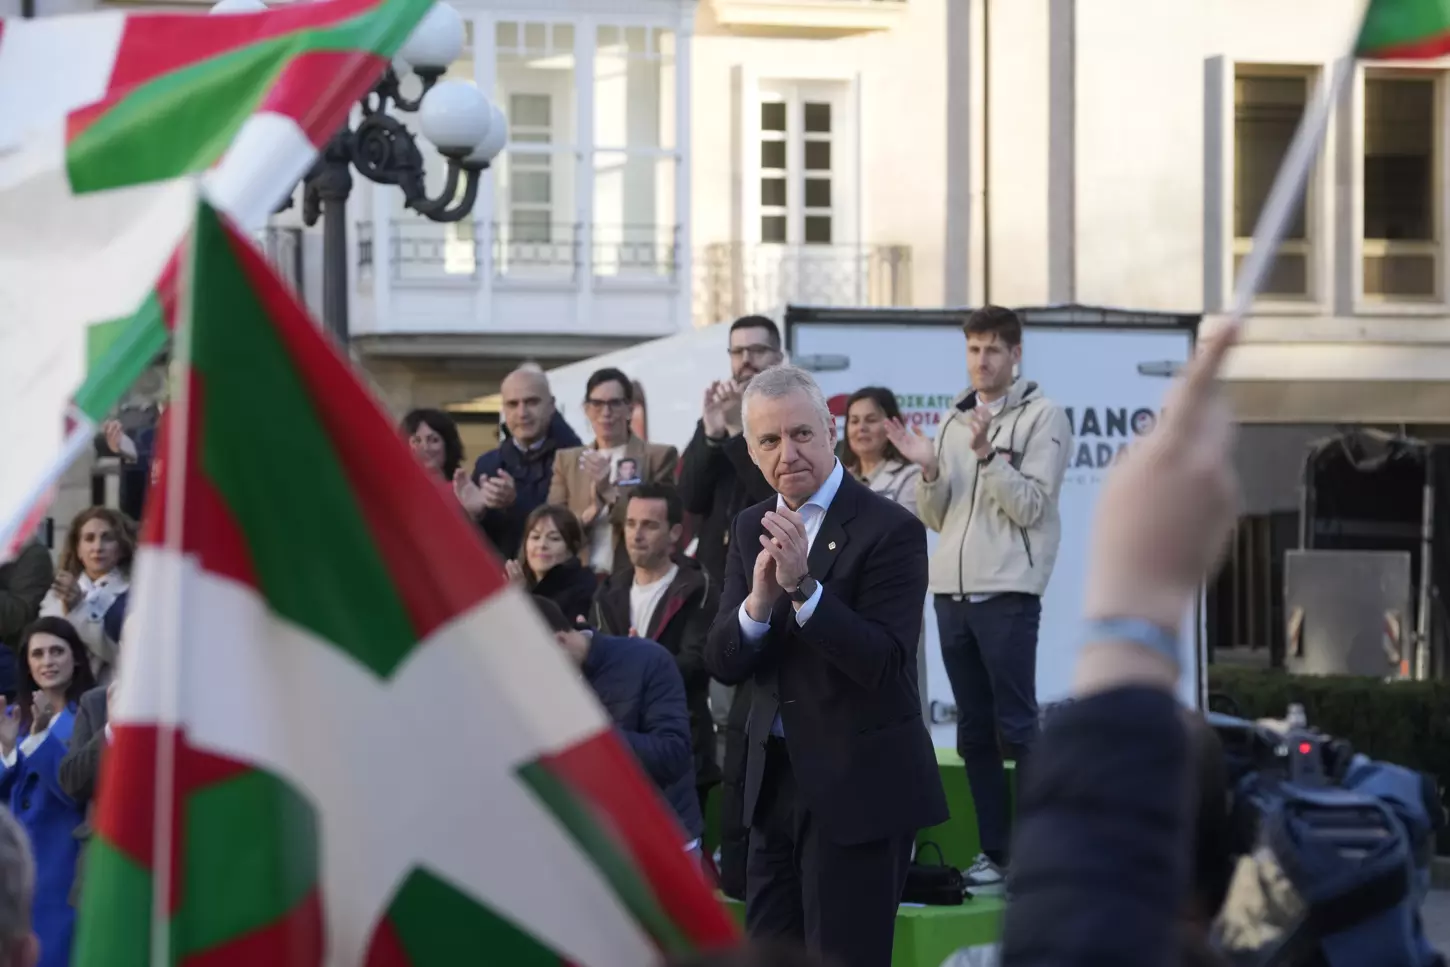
(670, 163)
(1122, 152)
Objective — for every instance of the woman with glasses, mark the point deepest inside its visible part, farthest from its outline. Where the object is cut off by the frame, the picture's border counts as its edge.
(588, 480)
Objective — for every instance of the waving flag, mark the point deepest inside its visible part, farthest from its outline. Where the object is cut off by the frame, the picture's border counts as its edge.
(105, 121)
(1405, 30)
(1389, 29)
(342, 737)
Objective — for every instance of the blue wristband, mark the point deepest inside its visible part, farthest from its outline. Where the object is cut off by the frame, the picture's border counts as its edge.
(1138, 631)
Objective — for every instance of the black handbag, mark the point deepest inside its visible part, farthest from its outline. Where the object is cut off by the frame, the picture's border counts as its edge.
(934, 884)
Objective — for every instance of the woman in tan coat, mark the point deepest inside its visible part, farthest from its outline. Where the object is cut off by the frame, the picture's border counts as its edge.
(594, 481)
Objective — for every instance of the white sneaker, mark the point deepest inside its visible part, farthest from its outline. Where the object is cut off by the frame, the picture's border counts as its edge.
(985, 877)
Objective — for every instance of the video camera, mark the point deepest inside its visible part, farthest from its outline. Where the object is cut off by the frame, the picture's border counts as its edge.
(1330, 850)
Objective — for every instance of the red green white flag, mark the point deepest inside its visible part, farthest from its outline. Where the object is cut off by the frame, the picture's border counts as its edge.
(1404, 30)
(1389, 30)
(106, 121)
(341, 737)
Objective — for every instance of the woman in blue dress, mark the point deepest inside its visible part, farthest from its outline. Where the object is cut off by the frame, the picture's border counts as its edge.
(34, 734)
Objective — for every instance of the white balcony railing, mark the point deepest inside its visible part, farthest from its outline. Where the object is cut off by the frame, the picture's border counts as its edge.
(734, 279)
(420, 252)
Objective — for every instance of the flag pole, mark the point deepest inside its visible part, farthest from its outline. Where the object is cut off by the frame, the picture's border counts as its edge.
(170, 617)
(1289, 183)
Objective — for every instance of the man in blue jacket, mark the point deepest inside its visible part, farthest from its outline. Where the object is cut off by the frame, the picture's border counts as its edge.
(510, 481)
(639, 685)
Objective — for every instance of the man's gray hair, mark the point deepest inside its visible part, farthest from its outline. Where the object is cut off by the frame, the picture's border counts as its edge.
(783, 380)
(17, 882)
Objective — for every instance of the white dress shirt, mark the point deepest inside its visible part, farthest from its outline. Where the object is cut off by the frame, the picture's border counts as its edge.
(813, 513)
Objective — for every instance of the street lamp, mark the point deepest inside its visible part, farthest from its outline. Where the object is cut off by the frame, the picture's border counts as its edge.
(454, 115)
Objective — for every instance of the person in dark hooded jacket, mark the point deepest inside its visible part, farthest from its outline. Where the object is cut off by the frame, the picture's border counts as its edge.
(510, 481)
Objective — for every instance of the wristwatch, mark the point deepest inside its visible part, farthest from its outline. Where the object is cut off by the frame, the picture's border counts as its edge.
(983, 461)
(804, 590)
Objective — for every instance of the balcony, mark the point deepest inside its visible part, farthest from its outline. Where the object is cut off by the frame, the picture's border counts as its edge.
(535, 253)
(584, 282)
(734, 279)
(811, 17)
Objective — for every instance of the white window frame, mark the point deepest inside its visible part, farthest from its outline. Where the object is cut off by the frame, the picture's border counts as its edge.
(1316, 247)
(1361, 247)
(673, 118)
(563, 149)
(841, 94)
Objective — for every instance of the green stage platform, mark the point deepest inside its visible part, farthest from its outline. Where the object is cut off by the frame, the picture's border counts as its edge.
(926, 936)
(957, 837)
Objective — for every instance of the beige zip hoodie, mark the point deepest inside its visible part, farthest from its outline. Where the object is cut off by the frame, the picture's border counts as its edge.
(999, 524)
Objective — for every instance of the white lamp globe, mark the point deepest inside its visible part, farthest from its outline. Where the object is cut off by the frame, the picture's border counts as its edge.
(238, 6)
(436, 42)
(493, 142)
(455, 116)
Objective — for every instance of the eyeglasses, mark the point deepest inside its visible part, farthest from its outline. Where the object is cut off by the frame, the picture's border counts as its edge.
(599, 406)
(740, 352)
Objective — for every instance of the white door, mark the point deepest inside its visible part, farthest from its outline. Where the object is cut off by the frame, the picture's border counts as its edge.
(805, 241)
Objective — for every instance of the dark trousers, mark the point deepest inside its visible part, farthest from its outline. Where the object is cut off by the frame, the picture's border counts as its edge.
(839, 901)
(990, 652)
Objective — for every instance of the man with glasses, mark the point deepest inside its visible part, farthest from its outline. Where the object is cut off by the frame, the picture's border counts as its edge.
(510, 481)
(717, 478)
(717, 481)
(587, 479)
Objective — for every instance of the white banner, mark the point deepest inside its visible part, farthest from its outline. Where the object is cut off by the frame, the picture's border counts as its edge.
(1112, 383)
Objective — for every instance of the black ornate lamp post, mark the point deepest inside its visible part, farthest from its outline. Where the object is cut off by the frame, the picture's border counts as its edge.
(454, 115)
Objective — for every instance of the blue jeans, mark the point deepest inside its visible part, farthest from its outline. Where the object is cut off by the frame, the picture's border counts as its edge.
(990, 652)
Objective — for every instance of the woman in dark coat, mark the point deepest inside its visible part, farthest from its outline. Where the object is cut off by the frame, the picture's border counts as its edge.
(548, 563)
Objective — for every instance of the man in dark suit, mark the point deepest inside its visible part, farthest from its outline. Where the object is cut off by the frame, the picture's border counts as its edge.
(821, 608)
(81, 766)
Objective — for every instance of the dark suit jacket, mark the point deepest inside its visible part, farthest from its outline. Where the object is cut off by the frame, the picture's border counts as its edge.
(82, 764)
(845, 684)
(679, 623)
(717, 481)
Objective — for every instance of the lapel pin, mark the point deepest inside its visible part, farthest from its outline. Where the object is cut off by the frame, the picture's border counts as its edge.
(831, 546)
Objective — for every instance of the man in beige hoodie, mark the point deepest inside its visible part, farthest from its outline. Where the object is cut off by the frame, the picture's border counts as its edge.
(989, 486)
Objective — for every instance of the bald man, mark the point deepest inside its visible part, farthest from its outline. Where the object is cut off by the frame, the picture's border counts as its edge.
(510, 481)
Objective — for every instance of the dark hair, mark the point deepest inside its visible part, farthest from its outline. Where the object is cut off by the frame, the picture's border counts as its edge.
(81, 681)
(759, 322)
(569, 528)
(121, 525)
(442, 424)
(674, 507)
(609, 375)
(883, 398)
(1005, 323)
(552, 614)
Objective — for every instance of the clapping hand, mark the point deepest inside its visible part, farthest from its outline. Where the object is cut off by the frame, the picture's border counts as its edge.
(41, 712)
(914, 445)
(515, 572)
(596, 465)
(116, 439)
(9, 730)
(980, 423)
(786, 541)
(722, 408)
(469, 494)
(499, 491)
(67, 589)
